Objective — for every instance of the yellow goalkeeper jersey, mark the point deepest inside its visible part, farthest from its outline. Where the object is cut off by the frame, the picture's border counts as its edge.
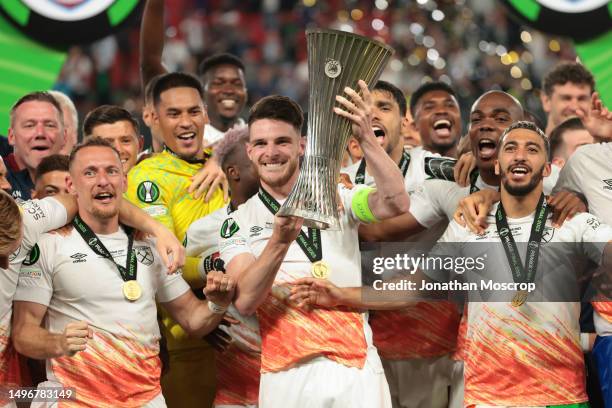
(159, 186)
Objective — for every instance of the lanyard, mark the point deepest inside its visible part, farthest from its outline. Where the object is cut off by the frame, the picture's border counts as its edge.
(128, 272)
(309, 243)
(403, 165)
(520, 273)
(473, 179)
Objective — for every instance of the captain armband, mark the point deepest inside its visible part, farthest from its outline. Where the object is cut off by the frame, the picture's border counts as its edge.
(361, 207)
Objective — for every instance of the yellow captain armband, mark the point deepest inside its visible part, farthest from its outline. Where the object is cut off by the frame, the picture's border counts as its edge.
(361, 207)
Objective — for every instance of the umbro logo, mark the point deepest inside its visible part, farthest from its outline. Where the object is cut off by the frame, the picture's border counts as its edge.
(608, 185)
(78, 257)
(256, 231)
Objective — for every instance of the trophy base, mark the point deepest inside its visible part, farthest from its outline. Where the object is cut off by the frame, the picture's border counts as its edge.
(312, 219)
(314, 196)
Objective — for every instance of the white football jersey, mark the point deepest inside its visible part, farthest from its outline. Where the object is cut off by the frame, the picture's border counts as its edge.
(121, 360)
(589, 172)
(414, 176)
(537, 343)
(203, 242)
(290, 335)
(38, 216)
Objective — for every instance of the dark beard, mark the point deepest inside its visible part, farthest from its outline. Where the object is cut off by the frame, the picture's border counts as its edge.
(521, 191)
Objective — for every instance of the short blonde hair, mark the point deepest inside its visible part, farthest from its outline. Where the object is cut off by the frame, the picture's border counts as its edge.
(10, 223)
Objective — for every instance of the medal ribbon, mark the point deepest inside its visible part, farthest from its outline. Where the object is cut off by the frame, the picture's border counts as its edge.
(309, 243)
(520, 273)
(127, 272)
(473, 178)
(403, 166)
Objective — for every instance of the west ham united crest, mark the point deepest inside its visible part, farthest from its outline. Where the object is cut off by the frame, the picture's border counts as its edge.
(144, 255)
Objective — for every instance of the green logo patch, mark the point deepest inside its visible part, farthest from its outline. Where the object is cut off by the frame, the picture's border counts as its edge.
(33, 256)
(229, 228)
(147, 192)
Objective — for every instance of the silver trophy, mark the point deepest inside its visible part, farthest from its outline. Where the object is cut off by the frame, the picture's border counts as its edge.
(336, 59)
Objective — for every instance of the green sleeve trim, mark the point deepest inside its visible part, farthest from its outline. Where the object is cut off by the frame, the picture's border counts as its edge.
(361, 207)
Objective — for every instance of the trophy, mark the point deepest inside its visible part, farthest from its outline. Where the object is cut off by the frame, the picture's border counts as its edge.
(336, 59)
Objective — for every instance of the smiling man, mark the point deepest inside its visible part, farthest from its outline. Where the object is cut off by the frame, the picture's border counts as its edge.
(414, 342)
(109, 358)
(36, 131)
(567, 88)
(118, 127)
(325, 358)
(51, 176)
(225, 94)
(160, 185)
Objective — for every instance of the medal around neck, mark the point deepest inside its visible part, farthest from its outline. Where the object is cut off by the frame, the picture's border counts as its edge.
(336, 59)
(519, 298)
(132, 290)
(320, 270)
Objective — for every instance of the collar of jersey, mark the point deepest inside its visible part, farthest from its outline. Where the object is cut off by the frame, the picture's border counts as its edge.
(191, 161)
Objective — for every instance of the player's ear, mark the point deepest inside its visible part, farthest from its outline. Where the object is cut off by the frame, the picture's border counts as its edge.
(70, 185)
(546, 170)
(497, 167)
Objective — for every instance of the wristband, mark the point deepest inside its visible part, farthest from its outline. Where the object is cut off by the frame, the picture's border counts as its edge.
(215, 308)
(361, 207)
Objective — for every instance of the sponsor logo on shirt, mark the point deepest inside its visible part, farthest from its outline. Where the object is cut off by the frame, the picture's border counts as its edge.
(608, 185)
(32, 208)
(229, 228)
(147, 192)
(33, 256)
(30, 273)
(255, 231)
(78, 258)
(593, 222)
(144, 255)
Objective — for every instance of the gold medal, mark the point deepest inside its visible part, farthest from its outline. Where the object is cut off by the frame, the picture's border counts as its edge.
(132, 290)
(320, 270)
(519, 299)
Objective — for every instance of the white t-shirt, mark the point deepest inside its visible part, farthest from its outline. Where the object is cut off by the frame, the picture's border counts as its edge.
(290, 335)
(527, 355)
(121, 361)
(589, 172)
(437, 200)
(551, 180)
(38, 216)
(203, 242)
(414, 176)
(212, 135)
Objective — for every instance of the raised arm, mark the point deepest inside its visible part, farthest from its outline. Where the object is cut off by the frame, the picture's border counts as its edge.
(390, 198)
(31, 340)
(152, 41)
(168, 246)
(196, 316)
(255, 276)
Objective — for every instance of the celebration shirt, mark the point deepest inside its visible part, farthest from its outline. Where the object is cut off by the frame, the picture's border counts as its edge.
(120, 365)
